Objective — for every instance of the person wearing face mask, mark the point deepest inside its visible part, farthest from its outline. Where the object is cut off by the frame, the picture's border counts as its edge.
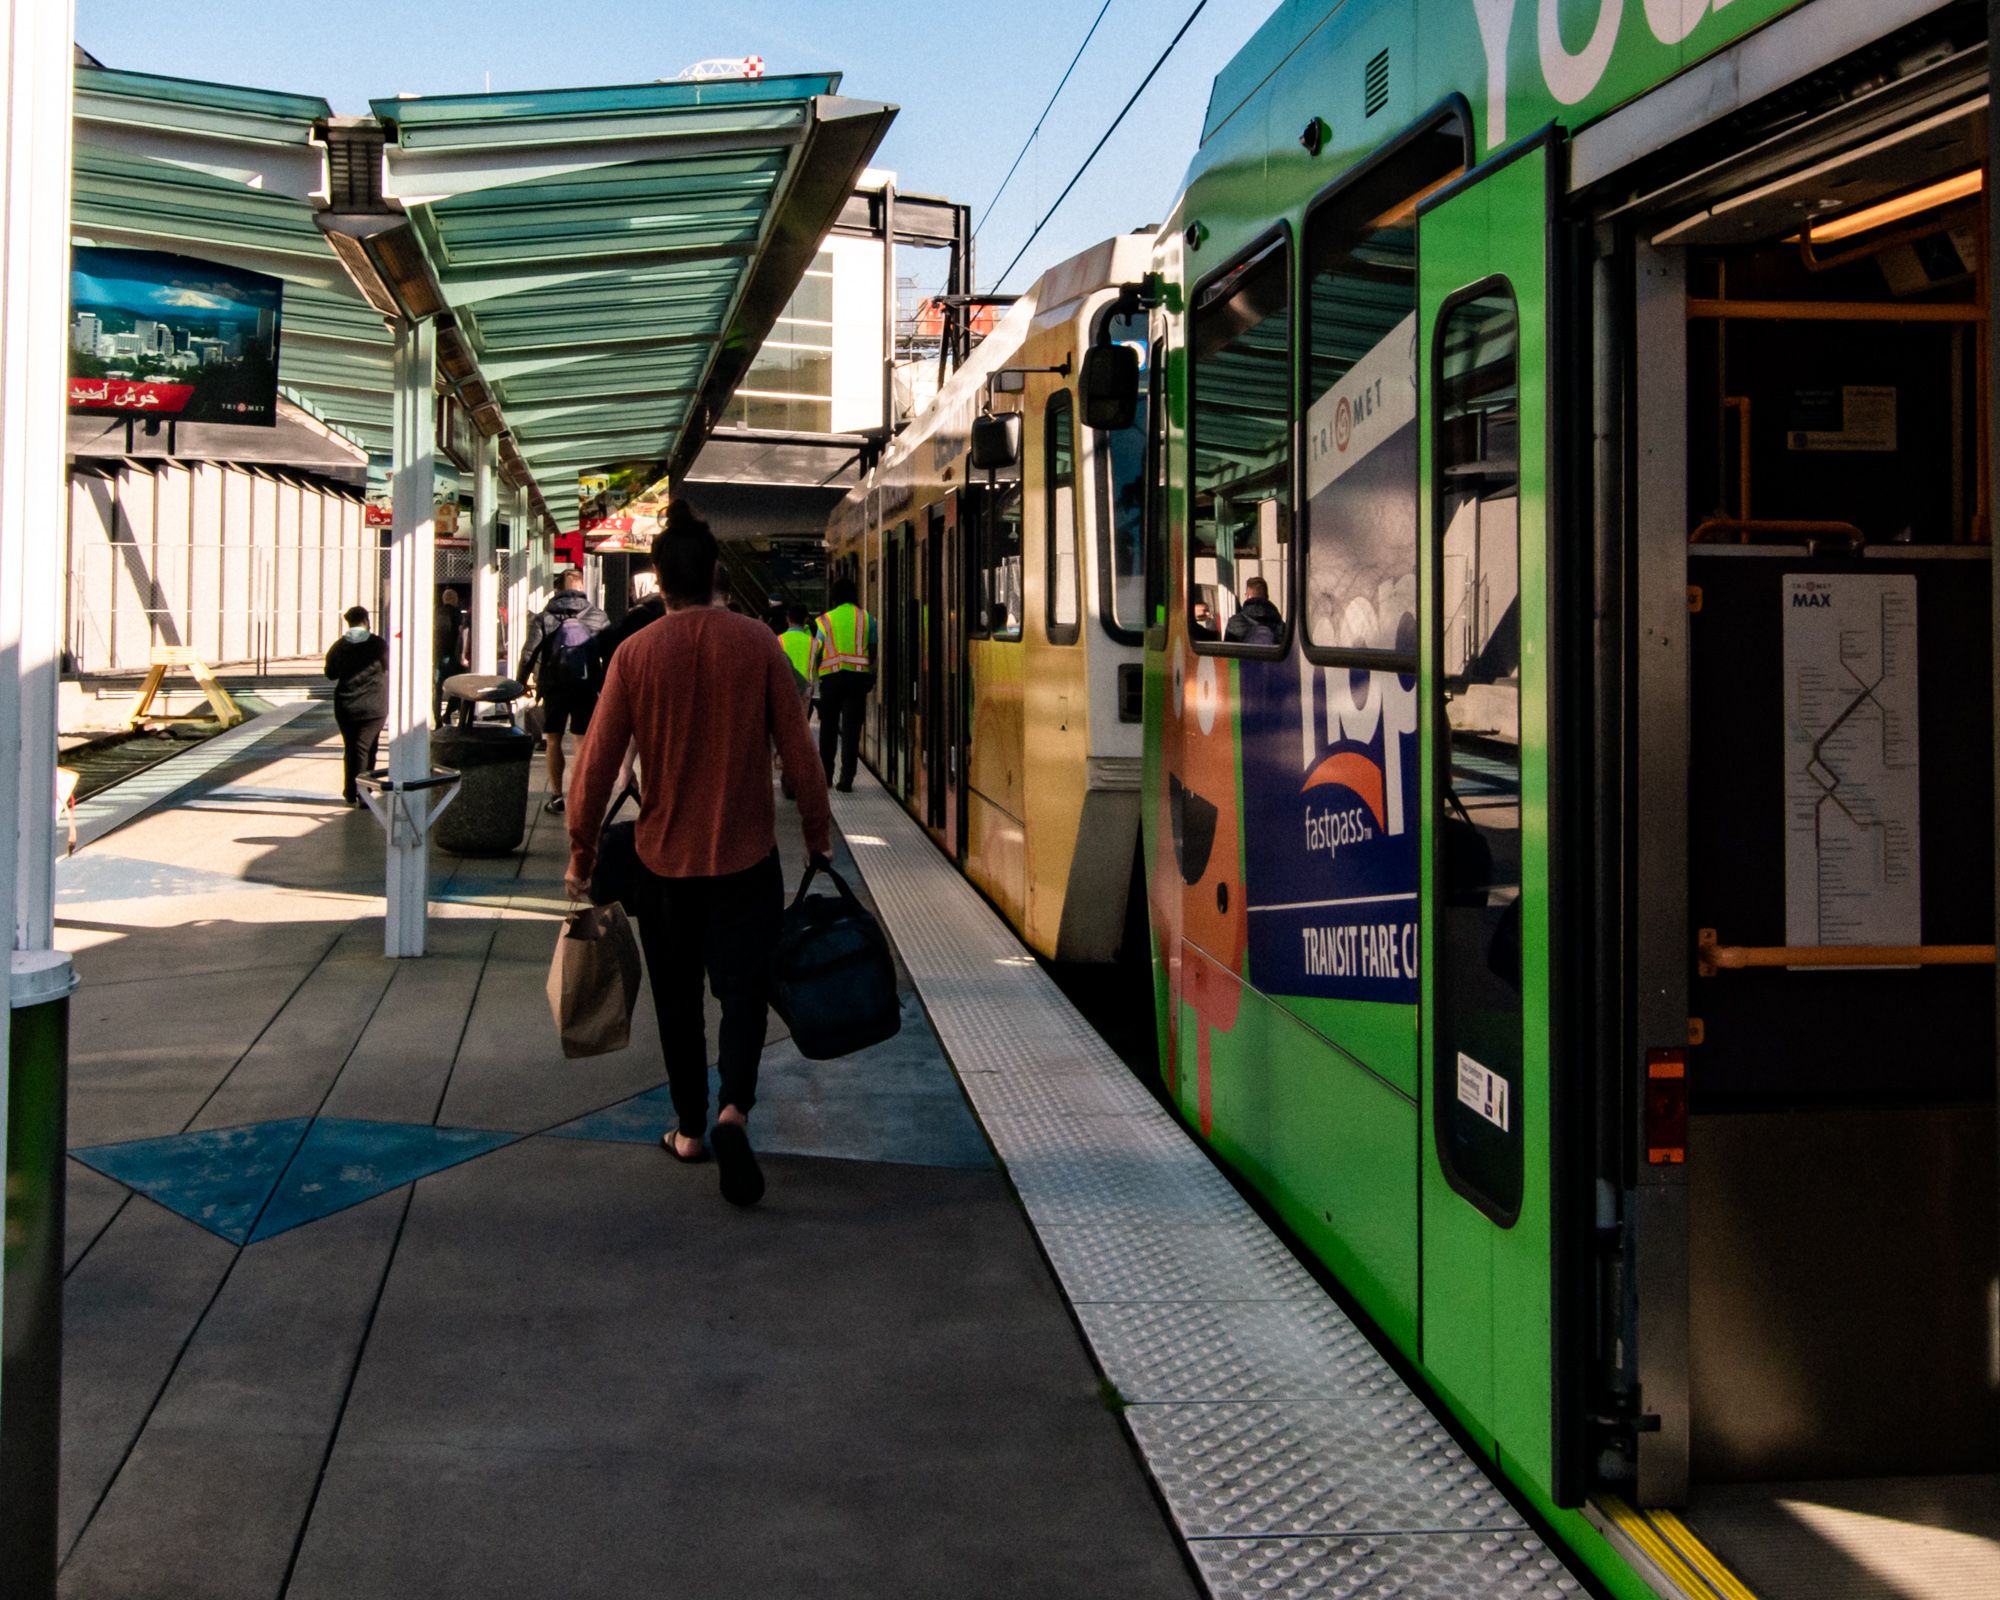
(358, 664)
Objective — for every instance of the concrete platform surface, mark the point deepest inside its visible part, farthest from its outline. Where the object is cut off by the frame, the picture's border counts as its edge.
(372, 1294)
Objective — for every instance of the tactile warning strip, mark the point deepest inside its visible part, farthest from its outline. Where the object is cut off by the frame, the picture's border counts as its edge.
(1293, 1458)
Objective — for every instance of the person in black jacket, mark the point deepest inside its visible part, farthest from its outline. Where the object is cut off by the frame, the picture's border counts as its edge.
(1257, 621)
(358, 663)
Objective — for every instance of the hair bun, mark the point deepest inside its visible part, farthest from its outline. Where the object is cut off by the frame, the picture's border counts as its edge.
(681, 517)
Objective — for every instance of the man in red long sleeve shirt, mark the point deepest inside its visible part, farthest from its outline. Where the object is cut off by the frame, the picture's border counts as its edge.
(704, 693)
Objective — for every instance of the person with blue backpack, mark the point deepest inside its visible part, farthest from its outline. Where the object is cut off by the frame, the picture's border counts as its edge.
(567, 670)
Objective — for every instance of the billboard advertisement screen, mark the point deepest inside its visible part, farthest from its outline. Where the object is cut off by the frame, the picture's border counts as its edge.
(156, 335)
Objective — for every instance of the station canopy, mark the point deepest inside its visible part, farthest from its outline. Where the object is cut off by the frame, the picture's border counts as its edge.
(603, 263)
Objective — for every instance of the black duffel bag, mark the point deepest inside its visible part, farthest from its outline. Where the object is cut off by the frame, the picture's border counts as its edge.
(833, 979)
(616, 878)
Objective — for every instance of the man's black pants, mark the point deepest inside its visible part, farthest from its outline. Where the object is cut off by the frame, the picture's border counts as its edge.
(728, 927)
(843, 696)
(360, 738)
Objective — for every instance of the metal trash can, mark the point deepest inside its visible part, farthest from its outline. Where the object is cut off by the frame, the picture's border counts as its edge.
(490, 814)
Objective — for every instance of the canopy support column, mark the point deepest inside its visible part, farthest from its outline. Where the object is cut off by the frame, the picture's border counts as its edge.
(412, 600)
(485, 540)
(35, 147)
(519, 581)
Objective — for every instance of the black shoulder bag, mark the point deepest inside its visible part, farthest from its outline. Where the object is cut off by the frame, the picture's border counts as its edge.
(833, 979)
(619, 872)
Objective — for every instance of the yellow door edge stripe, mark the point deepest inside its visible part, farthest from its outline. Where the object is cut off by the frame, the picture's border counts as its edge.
(1703, 1559)
(1637, 1530)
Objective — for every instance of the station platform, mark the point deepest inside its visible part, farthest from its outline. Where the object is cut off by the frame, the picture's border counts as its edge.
(371, 1293)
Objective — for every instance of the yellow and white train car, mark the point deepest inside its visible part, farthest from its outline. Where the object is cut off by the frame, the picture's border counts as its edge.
(1007, 712)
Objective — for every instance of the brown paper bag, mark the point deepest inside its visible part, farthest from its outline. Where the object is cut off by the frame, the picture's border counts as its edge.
(594, 981)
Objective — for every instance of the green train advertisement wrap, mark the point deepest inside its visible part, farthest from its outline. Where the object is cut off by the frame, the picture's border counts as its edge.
(1350, 775)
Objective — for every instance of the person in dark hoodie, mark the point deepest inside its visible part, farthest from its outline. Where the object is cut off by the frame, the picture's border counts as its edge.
(358, 664)
(566, 670)
(1257, 621)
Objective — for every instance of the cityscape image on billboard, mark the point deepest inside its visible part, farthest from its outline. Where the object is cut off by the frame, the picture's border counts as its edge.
(168, 336)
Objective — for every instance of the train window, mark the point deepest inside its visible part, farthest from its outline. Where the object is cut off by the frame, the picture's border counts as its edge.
(997, 569)
(1156, 486)
(1360, 518)
(1059, 488)
(1239, 591)
(1121, 501)
(1477, 982)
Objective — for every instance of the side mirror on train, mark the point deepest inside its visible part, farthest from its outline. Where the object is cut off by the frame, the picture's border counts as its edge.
(995, 443)
(1109, 386)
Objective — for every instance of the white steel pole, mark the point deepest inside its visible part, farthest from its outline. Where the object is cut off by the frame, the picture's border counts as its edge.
(34, 335)
(412, 600)
(519, 582)
(485, 541)
(36, 41)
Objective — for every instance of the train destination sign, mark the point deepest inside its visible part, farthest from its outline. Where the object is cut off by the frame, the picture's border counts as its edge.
(158, 335)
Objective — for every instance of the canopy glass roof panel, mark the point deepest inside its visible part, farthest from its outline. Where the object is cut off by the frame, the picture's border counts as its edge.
(609, 257)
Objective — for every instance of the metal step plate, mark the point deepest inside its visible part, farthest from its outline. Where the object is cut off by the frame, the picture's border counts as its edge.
(1293, 1458)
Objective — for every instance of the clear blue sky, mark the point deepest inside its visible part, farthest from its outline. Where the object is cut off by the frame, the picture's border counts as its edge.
(970, 78)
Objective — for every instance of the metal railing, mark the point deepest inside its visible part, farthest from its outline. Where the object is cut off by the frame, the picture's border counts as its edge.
(235, 606)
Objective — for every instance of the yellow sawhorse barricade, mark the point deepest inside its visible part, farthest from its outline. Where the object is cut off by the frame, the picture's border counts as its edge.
(167, 656)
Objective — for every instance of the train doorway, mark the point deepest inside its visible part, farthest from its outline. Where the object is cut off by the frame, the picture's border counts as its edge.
(1812, 1306)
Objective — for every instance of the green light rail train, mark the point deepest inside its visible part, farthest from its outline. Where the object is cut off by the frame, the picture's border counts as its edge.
(1566, 818)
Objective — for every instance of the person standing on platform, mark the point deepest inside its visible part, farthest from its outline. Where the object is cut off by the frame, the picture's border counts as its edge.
(842, 673)
(704, 694)
(448, 639)
(566, 672)
(797, 640)
(358, 664)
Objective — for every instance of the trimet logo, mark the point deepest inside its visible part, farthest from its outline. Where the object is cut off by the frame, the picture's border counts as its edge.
(1343, 425)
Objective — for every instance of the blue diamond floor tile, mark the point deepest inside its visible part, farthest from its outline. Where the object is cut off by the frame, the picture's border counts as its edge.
(811, 1110)
(342, 1163)
(219, 1178)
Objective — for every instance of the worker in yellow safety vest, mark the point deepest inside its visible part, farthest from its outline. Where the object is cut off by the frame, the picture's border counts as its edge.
(798, 642)
(841, 674)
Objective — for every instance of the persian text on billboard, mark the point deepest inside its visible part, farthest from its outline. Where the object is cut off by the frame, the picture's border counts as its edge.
(169, 336)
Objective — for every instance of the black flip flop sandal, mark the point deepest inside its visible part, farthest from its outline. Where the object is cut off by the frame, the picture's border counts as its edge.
(736, 1163)
(700, 1153)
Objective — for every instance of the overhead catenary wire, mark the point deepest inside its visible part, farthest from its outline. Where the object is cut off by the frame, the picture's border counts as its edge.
(1029, 143)
(1077, 176)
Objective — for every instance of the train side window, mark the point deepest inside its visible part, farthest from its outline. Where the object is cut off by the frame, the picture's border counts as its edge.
(1477, 975)
(997, 576)
(1156, 486)
(1240, 417)
(1122, 479)
(1064, 613)
(1359, 525)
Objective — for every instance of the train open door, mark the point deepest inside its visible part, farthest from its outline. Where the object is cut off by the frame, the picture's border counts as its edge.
(1811, 1311)
(1490, 1305)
